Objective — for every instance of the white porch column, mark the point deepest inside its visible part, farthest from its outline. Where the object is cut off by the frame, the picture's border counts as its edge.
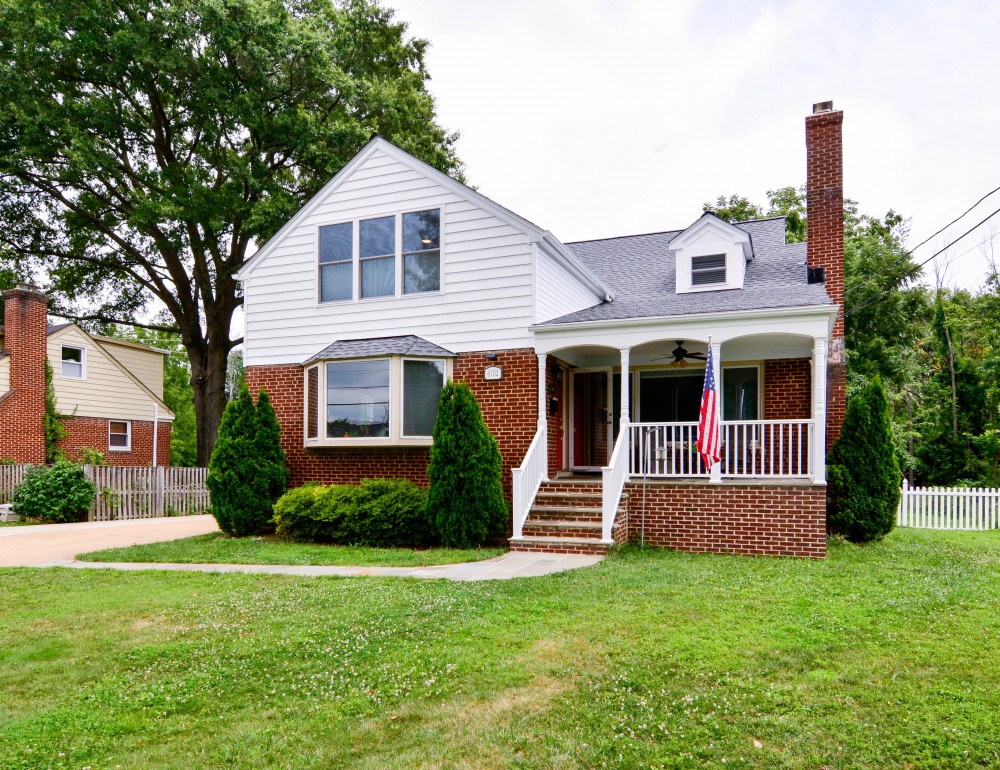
(715, 475)
(625, 415)
(818, 453)
(542, 392)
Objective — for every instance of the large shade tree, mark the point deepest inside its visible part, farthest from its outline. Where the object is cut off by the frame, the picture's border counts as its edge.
(147, 145)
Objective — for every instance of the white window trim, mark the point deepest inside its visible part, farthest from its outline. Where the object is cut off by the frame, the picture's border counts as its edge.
(395, 437)
(356, 259)
(128, 437)
(83, 362)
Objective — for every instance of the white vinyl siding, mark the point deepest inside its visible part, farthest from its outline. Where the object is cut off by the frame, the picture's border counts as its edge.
(108, 392)
(558, 292)
(486, 299)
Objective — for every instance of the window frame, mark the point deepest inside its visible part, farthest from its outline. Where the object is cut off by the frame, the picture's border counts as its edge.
(83, 362)
(695, 271)
(636, 371)
(398, 259)
(128, 436)
(760, 388)
(396, 436)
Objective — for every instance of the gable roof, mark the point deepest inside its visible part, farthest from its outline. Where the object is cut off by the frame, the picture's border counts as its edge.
(642, 273)
(536, 234)
(407, 345)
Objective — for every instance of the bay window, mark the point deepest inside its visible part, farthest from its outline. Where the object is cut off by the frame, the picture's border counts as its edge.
(390, 400)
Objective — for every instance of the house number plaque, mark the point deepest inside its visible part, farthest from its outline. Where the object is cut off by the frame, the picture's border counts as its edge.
(493, 373)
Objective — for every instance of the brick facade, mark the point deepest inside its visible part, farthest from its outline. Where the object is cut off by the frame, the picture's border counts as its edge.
(510, 409)
(92, 433)
(748, 519)
(788, 389)
(825, 222)
(22, 408)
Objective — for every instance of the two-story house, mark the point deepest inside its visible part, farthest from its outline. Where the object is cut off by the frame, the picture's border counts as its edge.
(587, 358)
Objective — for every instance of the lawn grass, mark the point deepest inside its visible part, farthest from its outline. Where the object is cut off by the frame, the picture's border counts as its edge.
(216, 548)
(880, 656)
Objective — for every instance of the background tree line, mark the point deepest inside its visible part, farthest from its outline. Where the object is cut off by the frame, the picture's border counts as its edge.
(936, 349)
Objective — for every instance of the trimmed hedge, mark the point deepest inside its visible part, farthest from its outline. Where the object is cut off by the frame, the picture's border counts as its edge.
(381, 513)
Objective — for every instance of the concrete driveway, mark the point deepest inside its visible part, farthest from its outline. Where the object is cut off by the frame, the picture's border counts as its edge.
(45, 544)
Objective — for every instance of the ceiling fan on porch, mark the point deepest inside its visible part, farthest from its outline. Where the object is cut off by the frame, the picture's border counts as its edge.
(681, 356)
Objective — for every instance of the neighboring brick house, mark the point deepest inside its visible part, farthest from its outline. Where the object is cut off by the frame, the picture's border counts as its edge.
(394, 278)
(111, 391)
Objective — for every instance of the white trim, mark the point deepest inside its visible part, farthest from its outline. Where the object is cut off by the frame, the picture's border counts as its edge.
(128, 437)
(82, 364)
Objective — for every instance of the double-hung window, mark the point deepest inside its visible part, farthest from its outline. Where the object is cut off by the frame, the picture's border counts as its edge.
(387, 256)
(366, 401)
(119, 435)
(73, 362)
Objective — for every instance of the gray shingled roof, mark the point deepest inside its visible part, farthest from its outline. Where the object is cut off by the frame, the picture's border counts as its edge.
(642, 275)
(409, 345)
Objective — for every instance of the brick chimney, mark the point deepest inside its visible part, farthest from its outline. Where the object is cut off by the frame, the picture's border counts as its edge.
(22, 407)
(825, 222)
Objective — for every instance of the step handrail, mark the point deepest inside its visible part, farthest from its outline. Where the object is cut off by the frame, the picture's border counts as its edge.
(529, 477)
(613, 478)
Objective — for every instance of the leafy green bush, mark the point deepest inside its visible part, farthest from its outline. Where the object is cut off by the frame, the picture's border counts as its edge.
(382, 513)
(247, 472)
(55, 495)
(466, 501)
(862, 471)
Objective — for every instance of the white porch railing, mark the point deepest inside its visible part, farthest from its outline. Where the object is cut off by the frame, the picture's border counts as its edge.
(529, 477)
(613, 478)
(750, 449)
(949, 508)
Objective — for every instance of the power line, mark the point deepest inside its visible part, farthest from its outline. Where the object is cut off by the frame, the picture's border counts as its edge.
(909, 253)
(878, 297)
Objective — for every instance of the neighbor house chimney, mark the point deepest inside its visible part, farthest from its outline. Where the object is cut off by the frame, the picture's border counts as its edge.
(825, 223)
(22, 407)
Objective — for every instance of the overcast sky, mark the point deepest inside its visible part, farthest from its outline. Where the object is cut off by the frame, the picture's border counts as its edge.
(594, 118)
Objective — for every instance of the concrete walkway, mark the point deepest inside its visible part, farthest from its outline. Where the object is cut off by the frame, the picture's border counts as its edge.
(56, 545)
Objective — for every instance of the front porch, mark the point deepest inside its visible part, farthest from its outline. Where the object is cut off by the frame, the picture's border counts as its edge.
(635, 446)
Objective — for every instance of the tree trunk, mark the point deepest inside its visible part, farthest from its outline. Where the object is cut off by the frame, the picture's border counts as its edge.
(954, 389)
(208, 379)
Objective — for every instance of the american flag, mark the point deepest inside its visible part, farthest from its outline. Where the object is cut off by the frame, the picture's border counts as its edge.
(708, 422)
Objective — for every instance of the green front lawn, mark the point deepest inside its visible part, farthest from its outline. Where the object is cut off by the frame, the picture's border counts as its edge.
(216, 548)
(884, 656)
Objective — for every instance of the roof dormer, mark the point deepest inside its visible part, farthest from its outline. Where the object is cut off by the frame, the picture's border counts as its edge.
(711, 255)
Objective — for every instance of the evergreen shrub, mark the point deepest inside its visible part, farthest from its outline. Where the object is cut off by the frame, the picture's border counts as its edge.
(863, 478)
(55, 495)
(465, 502)
(381, 513)
(247, 472)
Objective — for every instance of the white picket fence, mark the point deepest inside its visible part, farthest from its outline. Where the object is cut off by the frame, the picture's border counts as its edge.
(131, 493)
(949, 508)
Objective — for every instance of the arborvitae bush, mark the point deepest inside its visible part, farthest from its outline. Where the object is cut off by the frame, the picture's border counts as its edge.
(244, 476)
(55, 495)
(466, 501)
(862, 471)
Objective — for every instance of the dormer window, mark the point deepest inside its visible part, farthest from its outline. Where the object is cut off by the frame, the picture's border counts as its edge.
(708, 270)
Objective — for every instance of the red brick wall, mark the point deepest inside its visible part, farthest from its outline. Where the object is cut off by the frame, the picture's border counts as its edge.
(22, 408)
(788, 389)
(92, 433)
(825, 201)
(510, 408)
(754, 520)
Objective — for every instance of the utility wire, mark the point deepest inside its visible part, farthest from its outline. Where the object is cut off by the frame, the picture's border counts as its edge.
(878, 297)
(909, 252)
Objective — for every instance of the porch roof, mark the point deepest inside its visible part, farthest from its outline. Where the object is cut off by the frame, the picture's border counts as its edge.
(407, 345)
(642, 275)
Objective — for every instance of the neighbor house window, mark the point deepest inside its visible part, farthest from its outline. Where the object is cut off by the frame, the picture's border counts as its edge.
(389, 400)
(73, 360)
(708, 270)
(119, 435)
(421, 251)
(392, 256)
(336, 262)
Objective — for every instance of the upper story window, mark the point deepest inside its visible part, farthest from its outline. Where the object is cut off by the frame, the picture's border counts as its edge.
(74, 361)
(380, 257)
(708, 270)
